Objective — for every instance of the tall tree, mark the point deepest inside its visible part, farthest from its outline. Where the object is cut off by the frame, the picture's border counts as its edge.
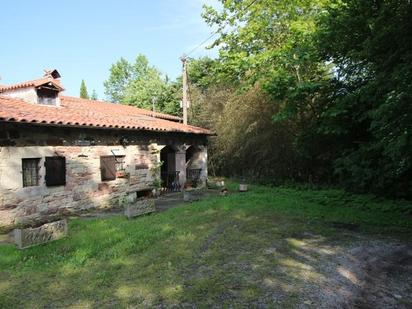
(120, 75)
(138, 84)
(270, 43)
(370, 105)
(83, 90)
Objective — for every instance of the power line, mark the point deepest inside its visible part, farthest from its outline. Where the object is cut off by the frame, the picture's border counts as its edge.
(215, 32)
(203, 42)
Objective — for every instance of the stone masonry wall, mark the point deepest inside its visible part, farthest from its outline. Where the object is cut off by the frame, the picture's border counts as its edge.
(84, 190)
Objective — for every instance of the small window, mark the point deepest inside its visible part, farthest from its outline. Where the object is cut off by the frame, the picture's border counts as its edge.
(119, 163)
(108, 167)
(55, 171)
(47, 95)
(31, 169)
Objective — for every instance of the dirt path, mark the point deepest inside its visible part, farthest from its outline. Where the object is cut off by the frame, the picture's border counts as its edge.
(306, 270)
(387, 277)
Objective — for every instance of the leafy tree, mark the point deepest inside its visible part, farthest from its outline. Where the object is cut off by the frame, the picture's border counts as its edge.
(138, 84)
(270, 43)
(83, 90)
(370, 110)
(201, 72)
(120, 75)
(248, 142)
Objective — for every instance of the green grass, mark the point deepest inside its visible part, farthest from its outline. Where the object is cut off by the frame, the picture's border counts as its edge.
(204, 253)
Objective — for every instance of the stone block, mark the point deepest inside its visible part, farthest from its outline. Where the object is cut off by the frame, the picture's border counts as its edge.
(29, 237)
(140, 207)
(192, 195)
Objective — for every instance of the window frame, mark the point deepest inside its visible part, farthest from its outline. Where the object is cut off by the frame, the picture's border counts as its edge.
(120, 162)
(107, 172)
(36, 170)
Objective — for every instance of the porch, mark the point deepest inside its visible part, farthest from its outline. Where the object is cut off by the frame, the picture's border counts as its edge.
(182, 166)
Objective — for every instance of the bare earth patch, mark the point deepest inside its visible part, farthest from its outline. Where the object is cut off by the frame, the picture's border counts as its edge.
(306, 270)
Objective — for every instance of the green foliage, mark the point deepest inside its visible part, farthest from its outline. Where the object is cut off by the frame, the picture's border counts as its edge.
(121, 73)
(201, 72)
(337, 73)
(83, 90)
(370, 111)
(155, 171)
(138, 84)
(267, 46)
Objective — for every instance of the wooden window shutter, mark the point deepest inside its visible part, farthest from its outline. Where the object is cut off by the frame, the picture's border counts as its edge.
(108, 167)
(55, 171)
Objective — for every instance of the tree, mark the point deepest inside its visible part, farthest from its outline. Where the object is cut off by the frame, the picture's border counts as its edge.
(83, 90)
(370, 110)
(120, 76)
(138, 83)
(271, 44)
(94, 95)
(248, 142)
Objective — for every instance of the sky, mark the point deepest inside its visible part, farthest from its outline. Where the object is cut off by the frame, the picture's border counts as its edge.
(81, 39)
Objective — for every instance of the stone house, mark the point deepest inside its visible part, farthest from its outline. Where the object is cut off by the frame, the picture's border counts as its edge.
(62, 155)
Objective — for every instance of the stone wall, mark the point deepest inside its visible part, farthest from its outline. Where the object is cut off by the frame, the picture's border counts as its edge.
(84, 190)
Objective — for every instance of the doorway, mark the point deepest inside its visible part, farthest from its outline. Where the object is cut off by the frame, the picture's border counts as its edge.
(169, 175)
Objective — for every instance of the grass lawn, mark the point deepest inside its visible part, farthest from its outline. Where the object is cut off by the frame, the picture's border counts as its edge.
(266, 247)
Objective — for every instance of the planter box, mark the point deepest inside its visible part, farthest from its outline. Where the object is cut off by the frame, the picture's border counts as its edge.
(29, 237)
(192, 195)
(140, 207)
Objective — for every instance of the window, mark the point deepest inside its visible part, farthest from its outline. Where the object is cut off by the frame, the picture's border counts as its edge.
(31, 169)
(55, 171)
(47, 95)
(108, 167)
(119, 163)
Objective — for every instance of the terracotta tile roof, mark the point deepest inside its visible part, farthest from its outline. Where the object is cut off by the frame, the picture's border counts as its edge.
(125, 108)
(93, 114)
(33, 83)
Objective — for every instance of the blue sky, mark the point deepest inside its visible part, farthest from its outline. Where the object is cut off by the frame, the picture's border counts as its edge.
(82, 39)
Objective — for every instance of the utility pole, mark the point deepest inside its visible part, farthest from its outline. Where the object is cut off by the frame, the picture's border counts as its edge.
(154, 101)
(184, 98)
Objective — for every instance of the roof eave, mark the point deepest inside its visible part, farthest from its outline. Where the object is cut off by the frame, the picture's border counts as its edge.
(124, 128)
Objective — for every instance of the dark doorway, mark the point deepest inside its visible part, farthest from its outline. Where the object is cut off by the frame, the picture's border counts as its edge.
(169, 175)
